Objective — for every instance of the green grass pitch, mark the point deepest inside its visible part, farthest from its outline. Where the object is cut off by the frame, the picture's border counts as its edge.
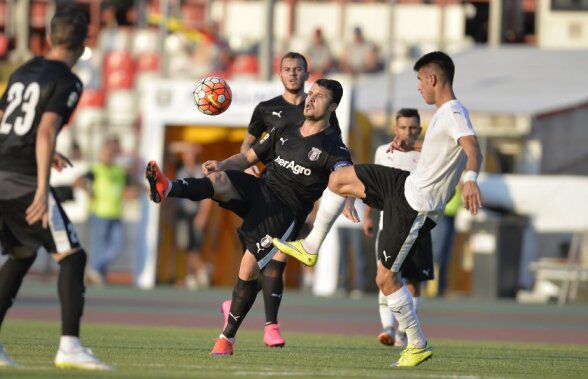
(168, 352)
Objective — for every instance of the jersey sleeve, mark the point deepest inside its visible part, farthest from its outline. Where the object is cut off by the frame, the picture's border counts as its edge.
(256, 125)
(380, 153)
(264, 148)
(64, 99)
(461, 125)
(339, 157)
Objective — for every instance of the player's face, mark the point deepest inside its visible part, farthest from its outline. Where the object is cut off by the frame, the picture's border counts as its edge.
(318, 103)
(293, 74)
(425, 87)
(407, 127)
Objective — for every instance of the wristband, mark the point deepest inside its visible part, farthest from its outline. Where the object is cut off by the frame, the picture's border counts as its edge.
(470, 176)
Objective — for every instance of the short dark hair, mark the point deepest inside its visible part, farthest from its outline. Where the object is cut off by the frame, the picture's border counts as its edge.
(334, 86)
(409, 112)
(439, 59)
(295, 55)
(69, 28)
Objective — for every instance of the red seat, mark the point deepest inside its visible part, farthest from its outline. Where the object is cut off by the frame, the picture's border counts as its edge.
(148, 62)
(38, 12)
(118, 79)
(245, 64)
(118, 71)
(92, 98)
(3, 45)
(118, 60)
(277, 64)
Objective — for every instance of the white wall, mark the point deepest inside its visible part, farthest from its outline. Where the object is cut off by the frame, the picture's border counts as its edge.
(561, 29)
(416, 24)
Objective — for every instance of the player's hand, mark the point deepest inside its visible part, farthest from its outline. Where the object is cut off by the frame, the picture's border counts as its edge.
(253, 170)
(401, 143)
(209, 167)
(472, 199)
(37, 211)
(60, 161)
(349, 210)
(368, 227)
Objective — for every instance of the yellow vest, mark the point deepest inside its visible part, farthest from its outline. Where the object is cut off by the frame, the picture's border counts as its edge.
(454, 203)
(108, 186)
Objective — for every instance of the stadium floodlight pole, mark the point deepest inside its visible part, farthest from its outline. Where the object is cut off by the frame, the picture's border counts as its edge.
(388, 69)
(495, 27)
(164, 9)
(21, 17)
(266, 51)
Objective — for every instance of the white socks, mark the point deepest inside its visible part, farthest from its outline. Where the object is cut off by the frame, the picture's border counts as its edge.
(401, 303)
(386, 315)
(330, 208)
(69, 343)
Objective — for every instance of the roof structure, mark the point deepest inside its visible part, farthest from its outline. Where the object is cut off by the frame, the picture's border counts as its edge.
(513, 80)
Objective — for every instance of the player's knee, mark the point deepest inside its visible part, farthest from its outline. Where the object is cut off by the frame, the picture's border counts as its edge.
(387, 281)
(220, 183)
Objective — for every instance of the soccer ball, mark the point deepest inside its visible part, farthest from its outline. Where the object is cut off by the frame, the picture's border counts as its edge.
(212, 95)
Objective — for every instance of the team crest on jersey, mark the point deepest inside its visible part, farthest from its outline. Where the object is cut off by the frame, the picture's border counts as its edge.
(314, 154)
(266, 241)
(72, 99)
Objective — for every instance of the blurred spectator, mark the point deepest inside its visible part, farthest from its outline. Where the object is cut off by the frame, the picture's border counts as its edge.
(350, 236)
(319, 55)
(360, 56)
(191, 220)
(212, 54)
(106, 182)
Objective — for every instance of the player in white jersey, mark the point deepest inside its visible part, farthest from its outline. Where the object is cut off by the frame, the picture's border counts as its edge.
(410, 201)
(419, 267)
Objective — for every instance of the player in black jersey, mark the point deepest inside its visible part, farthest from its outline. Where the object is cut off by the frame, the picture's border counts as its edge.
(300, 158)
(38, 101)
(284, 109)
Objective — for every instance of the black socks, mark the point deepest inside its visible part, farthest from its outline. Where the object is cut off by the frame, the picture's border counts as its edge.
(191, 188)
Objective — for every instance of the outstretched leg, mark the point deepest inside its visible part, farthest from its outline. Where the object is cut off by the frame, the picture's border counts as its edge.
(342, 183)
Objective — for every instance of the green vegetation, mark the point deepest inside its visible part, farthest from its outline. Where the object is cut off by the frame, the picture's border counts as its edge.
(166, 352)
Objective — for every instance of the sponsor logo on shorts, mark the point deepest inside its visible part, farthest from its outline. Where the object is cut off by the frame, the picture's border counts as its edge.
(266, 241)
(293, 166)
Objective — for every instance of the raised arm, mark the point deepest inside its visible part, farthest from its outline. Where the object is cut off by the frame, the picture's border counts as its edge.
(239, 161)
(248, 142)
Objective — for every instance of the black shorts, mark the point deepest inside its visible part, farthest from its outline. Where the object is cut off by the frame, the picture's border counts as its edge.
(264, 216)
(418, 265)
(60, 235)
(403, 227)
